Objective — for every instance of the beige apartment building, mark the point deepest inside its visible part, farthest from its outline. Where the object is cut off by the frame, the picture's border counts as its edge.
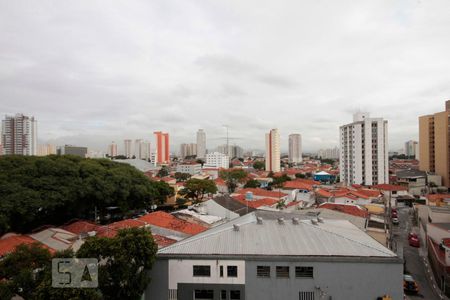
(434, 146)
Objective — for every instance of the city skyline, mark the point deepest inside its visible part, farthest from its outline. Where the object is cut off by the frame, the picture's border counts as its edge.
(109, 85)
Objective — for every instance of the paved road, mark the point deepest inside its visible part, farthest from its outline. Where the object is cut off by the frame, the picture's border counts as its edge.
(414, 263)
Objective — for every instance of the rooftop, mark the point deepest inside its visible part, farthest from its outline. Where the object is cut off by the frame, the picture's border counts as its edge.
(350, 209)
(163, 219)
(244, 236)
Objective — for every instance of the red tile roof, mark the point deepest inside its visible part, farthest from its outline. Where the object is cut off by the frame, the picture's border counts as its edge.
(294, 184)
(165, 220)
(437, 197)
(255, 203)
(220, 181)
(261, 193)
(369, 193)
(10, 243)
(163, 241)
(80, 226)
(128, 223)
(389, 187)
(324, 193)
(354, 210)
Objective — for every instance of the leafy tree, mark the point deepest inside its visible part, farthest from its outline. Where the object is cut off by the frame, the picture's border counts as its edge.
(200, 161)
(281, 204)
(126, 259)
(182, 176)
(163, 172)
(271, 174)
(259, 165)
(195, 189)
(252, 184)
(35, 191)
(233, 177)
(300, 175)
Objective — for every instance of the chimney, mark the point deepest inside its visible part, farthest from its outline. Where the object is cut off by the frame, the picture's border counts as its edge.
(281, 221)
(320, 220)
(295, 221)
(314, 222)
(259, 220)
(235, 227)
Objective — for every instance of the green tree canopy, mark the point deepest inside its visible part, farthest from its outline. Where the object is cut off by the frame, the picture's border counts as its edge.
(179, 176)
(252, 184)
(195, 189)
(232, 177)
(259, 165)
(36, 191)
(163, 172)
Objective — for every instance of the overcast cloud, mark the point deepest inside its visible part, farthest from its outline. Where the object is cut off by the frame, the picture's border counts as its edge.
(96, 71)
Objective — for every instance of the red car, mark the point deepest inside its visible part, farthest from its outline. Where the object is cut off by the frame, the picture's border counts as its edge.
(394, 214)
(413, 240)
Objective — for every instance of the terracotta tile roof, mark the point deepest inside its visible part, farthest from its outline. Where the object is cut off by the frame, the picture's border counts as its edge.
(255, 203)
(369, 193)
(294, 184)
(10, 243)
(323, 193)
(437, 197)
(308, 181)
(354, 210)
(128, 223)
(165, 220)
(389, 187)
(220, 181)
(80, 226)
(163, 241)
(261, 193)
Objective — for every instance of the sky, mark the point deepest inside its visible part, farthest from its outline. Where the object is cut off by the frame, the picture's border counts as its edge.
(92, 72)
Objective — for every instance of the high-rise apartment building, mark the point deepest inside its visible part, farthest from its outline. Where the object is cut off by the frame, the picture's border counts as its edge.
(162, 147)
(127, 148)
(201, 144)
(72, 150)
(364, 151)
(19, 135)
(217, 160)
(233, 151)
(411, 148)
(434, 144)
(188, 150)
(329, 153)
(46, 149)
(273, 151)
(112, 149)
(295, 148)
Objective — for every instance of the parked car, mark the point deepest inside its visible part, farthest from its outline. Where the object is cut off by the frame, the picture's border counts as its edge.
(394, 214)
(395, 221)
(409, 284)
(413, 240)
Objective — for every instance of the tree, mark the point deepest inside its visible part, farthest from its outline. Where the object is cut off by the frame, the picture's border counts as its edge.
(300, 175)
(252, 184)
(126, 260)
(163, 172)
(259, 165)
(35, 191)
(281, 204)
(195, 189)
(200, 161)
(233, 177)
(180, 177)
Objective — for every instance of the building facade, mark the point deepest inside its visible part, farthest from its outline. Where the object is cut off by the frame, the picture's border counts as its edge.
(217, 160)
(264, 258)
(364, 151)
(46, 149)
(19, 135)
(434, 144)
(191, 169)
(127, 148)
(162, 147)
(201, 144)
(273, 151)
(112, 149)
(295, 148)
(188, 150)
(411, 148)
(72, 150)
(142, 149)
(329, 153)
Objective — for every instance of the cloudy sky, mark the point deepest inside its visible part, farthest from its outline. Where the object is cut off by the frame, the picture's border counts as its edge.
(96, 71)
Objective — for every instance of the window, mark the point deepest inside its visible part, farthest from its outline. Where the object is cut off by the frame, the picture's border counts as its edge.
(235, 295)
(202, 271)
(221, 271)
(203, 295)
(306, 296)
(263, 271)
(223, 295)
(304, 272)
(282, 272)
(232, 271)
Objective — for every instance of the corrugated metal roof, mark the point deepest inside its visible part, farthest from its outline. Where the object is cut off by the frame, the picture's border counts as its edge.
(331, 238)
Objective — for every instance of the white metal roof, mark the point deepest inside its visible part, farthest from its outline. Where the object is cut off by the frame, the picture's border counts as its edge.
(331, 238)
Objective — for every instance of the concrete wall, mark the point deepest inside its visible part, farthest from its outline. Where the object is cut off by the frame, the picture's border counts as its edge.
(341, 281)
(158, 287)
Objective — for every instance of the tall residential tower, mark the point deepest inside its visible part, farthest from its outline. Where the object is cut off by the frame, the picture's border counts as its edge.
(364, 151)
(295, 148)
(273, 151)
(201, 144)
(162, 147)
(19, 135)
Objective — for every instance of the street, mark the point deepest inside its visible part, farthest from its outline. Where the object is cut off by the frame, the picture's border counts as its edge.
(414, 262)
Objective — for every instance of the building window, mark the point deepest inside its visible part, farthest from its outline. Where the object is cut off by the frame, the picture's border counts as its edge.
(221, 271)
(223, 295)
(304, 272)
(232, 271)
(235, 295)
(202, 271)
(203, 295)
(263, 271)
(306, 296)
(282, 272)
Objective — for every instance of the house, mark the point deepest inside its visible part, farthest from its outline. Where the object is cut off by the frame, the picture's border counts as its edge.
(392, 192)
(221, 185)
(165, 220)
(350, 209)
(9, 242)
(256, 258)
(229, 206)
(257, 193)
